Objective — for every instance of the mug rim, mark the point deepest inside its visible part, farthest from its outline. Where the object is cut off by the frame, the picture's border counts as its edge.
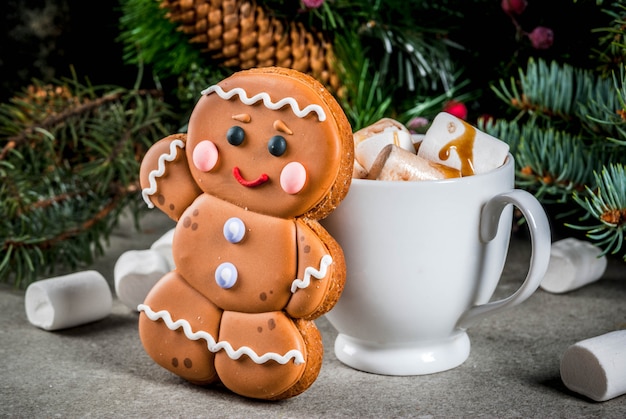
(510, 160)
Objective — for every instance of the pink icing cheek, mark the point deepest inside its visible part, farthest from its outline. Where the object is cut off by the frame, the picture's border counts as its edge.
(293, 178)
(205, 155)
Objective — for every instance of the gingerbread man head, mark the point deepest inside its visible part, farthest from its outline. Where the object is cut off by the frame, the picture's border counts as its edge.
(266, 140)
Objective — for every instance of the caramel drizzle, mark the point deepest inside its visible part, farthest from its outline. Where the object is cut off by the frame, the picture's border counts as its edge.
(396, 140)
(464, 147)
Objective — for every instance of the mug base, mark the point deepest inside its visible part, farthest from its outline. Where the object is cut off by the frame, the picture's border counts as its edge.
(405, 360)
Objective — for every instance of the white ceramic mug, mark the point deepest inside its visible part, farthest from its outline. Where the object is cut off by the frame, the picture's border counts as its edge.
(423, 260)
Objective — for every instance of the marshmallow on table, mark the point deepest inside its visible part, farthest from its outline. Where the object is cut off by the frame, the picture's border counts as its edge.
(68, 301)
(596, 367)
(163, 245)
(455, 143)
(136, 272)
(395, 163)
(369, 141)
(573, 264)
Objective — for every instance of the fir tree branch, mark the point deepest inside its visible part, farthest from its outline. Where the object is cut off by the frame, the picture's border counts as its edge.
(568, 141)
(71, 168)
(542, 89)
(49, 242)
(56, 119)
(550, 163)
(606, 203)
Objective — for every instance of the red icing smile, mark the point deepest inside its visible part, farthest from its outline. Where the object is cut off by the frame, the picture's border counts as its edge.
(249, 183)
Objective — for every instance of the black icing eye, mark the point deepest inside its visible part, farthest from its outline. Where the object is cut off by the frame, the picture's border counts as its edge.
(235, 135)
(277, 145)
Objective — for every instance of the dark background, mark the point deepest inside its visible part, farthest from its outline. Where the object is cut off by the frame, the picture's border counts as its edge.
(43, 39)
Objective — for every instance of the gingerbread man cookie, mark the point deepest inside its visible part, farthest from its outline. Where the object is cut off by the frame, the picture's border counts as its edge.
(268, 152)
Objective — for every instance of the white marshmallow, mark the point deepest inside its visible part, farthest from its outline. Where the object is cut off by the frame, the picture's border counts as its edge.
(163, 245)
(573, 263)
(377, 127)
(367, 150)
(469, 149)
(136, 272)
(68, 301)
(596, 367)
(395, 163)
(369, 141)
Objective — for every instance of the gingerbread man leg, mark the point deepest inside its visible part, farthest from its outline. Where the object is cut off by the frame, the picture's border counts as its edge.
(265, 359)
(176, 337)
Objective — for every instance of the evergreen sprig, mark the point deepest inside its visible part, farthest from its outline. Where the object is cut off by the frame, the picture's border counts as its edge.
(606, 202)
(365, 98)
(550, 163)
(611, 51)
(408, 52)
(568, 138)
(69, 164)
(406, 40)
(149, 38)
(541, 89)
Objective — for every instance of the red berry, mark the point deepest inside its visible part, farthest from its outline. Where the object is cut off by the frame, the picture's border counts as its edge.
(541, 37)
(514, 7)
(313, 4)
(456, 108)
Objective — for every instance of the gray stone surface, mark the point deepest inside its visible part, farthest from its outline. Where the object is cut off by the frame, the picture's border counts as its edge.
(101, 370)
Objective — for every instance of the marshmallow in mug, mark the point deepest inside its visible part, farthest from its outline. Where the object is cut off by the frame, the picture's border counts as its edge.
(358, 172)
(384, 124)
(68, 300)
(573, 264)
(395, 163)
(455, 143)
(369, 141)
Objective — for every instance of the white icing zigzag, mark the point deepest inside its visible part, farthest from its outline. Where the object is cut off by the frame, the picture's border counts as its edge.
(311, 271)
(160, 170)
(267, 101)
(214, 346)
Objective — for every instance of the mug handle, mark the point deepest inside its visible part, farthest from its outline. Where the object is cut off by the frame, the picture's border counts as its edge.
(541, 242)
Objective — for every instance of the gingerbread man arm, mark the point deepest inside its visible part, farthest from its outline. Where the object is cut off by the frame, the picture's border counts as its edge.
(321, 272)
(165, 178)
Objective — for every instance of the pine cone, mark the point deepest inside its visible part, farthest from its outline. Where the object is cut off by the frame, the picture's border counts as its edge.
(240, 34)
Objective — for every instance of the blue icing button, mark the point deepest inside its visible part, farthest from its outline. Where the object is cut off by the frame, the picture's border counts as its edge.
(234, 230)
(226, 275)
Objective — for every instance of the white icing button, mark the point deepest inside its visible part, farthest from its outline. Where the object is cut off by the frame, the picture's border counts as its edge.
(68, 301)
(234, 230)
(226, 275)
